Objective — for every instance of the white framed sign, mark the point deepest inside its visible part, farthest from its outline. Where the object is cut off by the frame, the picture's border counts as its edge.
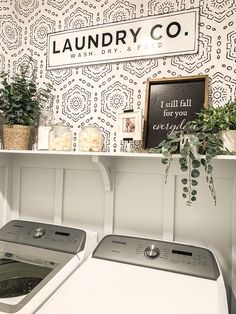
(147, 37)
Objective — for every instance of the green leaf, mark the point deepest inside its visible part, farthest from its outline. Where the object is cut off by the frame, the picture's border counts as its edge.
(182, 160)
(172, 136)
(184, 195)
(211, 188)
(213, 152)
(194, 182)
(196, 163)
(165, 152)
(184, 168)
(208, 158)
(195, 173)
(162, 143)
(203, 161)
(193, 198)
(184, 181)
(209, 169)
(201, 136)
(194, 192)
(185, 189)
(174, 148)
(164, 161)
(192, 155)
(167, 145)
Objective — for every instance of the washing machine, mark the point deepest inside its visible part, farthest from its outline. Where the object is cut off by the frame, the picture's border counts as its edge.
(35, 259)
(131, 275)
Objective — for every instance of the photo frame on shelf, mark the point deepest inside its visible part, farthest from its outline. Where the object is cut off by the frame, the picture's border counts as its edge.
(130, 125)
(170, 104)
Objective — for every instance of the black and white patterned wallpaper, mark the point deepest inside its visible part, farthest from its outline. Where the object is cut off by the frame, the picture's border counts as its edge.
(94, 94)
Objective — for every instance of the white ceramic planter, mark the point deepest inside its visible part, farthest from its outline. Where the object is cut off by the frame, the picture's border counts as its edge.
(229, 140)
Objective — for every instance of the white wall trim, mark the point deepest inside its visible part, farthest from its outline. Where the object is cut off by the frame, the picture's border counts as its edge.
(169, 209)
(58, 196)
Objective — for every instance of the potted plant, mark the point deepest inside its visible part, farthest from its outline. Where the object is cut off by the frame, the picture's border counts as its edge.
(221, 120)
(20, 105)
(197, 146)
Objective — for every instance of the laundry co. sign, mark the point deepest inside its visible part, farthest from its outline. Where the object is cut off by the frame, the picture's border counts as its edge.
(148, 37)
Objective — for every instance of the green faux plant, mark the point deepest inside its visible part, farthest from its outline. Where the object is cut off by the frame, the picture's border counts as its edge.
(197, 147)
(20, 100)
(218, 118)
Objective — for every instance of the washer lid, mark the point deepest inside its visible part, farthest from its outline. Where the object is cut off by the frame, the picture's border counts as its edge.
(101, 286)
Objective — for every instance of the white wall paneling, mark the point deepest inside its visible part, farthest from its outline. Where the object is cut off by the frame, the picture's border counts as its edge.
(123, 193)
(5, 188)
(138, 200)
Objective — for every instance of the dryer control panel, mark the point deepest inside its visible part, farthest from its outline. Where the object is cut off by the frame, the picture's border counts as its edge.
(47, 236)
(162, 255)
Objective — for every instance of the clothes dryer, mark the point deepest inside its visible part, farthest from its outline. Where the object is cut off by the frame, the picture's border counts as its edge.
(132, 275)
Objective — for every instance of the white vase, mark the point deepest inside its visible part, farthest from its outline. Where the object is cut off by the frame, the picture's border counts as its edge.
(229, 140)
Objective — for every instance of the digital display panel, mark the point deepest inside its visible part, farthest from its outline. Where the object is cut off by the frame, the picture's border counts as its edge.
(182, 252)
(65, 234)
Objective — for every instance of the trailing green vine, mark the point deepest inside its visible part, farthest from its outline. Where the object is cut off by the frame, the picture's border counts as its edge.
(197, 148)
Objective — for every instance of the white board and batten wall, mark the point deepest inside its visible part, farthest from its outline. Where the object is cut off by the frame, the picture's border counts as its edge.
(123, 194)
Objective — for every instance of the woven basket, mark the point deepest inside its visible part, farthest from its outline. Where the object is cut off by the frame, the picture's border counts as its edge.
(16, 136)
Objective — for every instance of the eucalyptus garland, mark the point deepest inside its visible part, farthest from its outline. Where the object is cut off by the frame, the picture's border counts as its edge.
(197, 148)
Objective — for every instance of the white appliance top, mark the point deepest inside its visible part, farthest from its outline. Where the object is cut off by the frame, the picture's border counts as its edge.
(35, 259)
(127, 275)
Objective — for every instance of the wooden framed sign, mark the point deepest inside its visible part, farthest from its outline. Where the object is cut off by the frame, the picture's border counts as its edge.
(170, 104)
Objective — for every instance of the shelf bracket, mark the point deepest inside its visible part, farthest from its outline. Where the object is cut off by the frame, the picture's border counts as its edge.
(104, 165)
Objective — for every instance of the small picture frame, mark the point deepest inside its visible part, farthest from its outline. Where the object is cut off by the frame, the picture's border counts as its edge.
(130, 125)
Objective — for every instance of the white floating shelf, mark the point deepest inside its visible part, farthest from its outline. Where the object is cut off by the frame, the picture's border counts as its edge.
(105, 154)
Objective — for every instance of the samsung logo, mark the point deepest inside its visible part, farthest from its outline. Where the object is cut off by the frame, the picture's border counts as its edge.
(119, 242)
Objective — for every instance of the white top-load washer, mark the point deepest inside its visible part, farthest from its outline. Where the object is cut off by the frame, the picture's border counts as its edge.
(35, 259)
(129, 275)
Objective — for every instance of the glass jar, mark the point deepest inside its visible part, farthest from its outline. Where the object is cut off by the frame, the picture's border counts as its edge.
(45, 125)
(60, 138)
(90, 139)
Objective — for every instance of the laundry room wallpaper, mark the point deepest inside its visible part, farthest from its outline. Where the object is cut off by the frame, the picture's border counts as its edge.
(94, 94)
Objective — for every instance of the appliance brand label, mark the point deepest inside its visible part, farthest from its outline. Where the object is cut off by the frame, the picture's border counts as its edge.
(148, 37)
(119, 242)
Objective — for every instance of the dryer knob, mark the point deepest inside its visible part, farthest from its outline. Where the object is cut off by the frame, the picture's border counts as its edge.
(38, 232)
(152, 252)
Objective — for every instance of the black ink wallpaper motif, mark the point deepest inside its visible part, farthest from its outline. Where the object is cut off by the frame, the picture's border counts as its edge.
(94, 94)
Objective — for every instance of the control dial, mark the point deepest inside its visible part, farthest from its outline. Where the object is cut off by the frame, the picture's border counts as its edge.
(152, 251)
(38, 232)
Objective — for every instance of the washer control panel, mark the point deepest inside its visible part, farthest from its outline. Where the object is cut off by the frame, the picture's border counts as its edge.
(47, 236)
(168, 256)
